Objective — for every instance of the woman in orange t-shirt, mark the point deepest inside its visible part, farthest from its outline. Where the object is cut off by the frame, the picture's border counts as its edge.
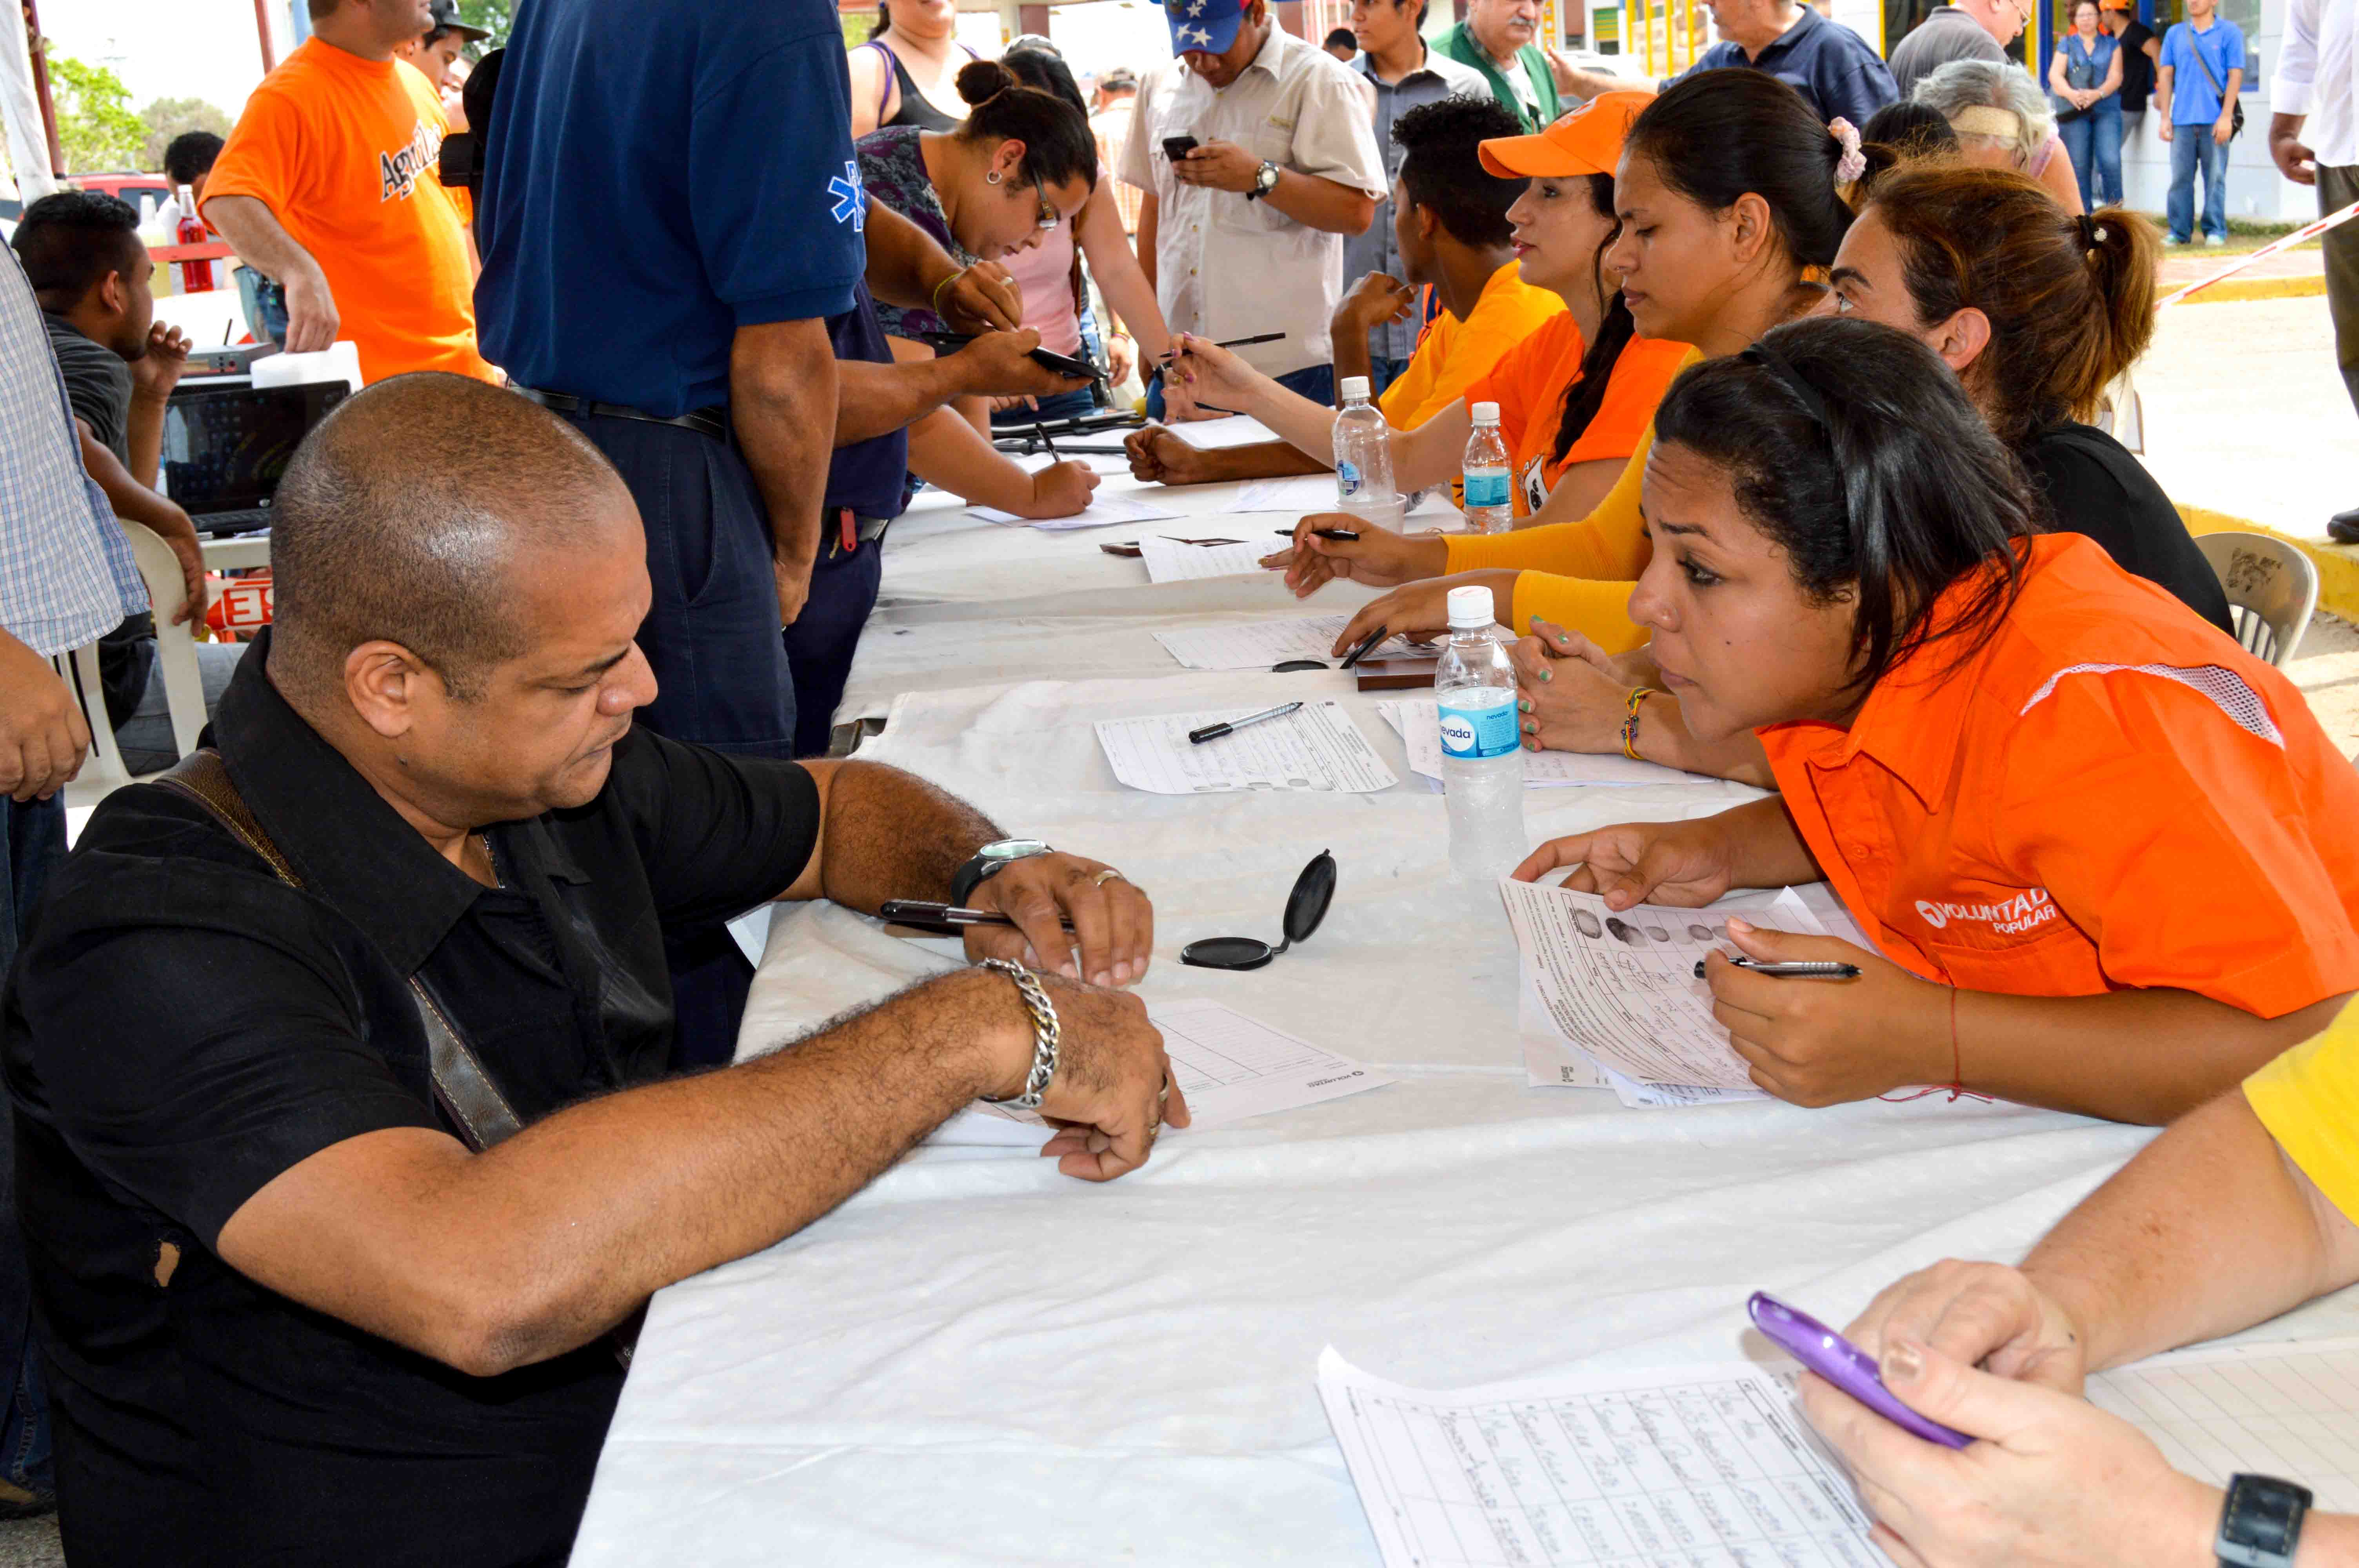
(2107, 860)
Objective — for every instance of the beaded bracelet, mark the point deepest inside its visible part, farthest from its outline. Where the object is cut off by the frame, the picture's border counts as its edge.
(1638, 694)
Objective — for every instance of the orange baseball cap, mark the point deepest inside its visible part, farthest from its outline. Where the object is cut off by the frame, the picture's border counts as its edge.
(1586, 141)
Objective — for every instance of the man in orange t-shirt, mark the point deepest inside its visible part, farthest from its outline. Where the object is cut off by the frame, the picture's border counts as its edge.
(327, 184)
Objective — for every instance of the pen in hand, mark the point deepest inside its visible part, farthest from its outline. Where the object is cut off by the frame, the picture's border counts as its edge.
(921, 912)
(1340, 535)
(1797, 969)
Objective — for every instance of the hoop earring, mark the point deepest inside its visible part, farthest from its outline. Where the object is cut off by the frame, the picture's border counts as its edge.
(991, 176)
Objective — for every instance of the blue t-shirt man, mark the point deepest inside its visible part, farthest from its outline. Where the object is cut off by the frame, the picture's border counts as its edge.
(1825, 61)
(2193, 99)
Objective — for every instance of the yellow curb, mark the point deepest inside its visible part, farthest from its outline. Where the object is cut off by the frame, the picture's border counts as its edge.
(2237, 289)
(2338, 565)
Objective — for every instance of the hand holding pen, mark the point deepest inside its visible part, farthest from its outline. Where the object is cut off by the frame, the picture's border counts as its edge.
(1877, 1029)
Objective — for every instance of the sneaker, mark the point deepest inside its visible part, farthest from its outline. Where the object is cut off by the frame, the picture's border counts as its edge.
(2216, 242)
(2175, 242)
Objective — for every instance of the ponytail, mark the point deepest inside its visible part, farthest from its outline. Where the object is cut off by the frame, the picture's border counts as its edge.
(1058, 145)
(2070, 299)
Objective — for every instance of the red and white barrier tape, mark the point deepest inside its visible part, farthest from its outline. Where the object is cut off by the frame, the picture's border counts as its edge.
(2307, 232)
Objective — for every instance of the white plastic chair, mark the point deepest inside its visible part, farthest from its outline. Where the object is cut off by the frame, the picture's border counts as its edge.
(176, 666)
(2272, 587)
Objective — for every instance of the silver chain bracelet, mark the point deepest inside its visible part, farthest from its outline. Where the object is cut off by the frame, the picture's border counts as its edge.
(1044, 1035)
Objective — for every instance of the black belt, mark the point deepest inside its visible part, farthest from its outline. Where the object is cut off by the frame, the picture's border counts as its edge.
(712, 422)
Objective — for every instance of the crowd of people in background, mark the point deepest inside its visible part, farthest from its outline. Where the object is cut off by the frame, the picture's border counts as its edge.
(1804, 360)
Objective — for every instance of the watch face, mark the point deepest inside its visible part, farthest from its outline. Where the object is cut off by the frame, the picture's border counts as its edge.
(1012, 849)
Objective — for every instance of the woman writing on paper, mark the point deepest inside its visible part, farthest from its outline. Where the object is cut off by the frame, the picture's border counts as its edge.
(2109, 859)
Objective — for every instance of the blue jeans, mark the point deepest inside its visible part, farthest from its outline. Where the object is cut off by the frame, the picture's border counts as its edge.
(2094, 142)
(820, 642)
(1316, 383)
(2191, 145)
(1382, 374)
(32, 843)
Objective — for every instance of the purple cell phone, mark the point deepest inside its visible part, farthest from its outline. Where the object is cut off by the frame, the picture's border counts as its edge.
(1844, 1364)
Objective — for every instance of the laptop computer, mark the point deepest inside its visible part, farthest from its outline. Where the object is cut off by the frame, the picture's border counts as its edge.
(226, 448)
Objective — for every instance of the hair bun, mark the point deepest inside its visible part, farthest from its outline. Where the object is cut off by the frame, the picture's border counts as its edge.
(981, 81)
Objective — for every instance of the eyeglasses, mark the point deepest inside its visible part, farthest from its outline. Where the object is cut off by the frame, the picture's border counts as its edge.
(1049, 217)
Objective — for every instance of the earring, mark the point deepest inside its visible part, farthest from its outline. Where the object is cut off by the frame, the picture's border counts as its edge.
(991, 176)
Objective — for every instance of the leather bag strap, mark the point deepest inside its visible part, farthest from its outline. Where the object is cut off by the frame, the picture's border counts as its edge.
(460, 1084)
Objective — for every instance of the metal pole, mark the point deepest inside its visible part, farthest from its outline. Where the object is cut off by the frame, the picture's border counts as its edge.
(35, 51)
(262, 31)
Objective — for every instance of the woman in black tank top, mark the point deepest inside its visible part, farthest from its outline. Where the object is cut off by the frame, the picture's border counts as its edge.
(895, 87)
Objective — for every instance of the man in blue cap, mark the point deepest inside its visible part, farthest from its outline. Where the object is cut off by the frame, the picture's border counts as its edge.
(1244, 233)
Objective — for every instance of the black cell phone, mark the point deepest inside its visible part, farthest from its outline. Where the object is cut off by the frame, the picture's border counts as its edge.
(1065, 363)
(1177, 147)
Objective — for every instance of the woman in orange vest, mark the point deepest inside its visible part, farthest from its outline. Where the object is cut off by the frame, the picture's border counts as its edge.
(2108, 860)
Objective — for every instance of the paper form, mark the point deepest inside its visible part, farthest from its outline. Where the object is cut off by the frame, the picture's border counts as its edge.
(1170, 562)
(2291, 1410)
(1695, 1467)
(1420, 725)
(1622, 986)
(1102, 512)
(1230, 1067)
(1234, 430)
(1315, 747)
(1299, 494)
(1256, 646)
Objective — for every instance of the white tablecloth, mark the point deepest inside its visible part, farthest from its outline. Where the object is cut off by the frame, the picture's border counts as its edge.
(979, 1361)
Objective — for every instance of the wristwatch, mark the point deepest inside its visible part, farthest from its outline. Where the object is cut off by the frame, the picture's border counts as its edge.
(1264, 181)
(2260, 1522)
(989, 861)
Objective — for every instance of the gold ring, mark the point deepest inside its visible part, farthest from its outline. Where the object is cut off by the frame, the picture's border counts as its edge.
(1108, 875)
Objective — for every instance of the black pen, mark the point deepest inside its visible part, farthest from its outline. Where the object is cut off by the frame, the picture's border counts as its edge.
(1214, 731)
(1367, 646)
(918, 911)
(1799, 969)
(1234, 343)
(1340, 535)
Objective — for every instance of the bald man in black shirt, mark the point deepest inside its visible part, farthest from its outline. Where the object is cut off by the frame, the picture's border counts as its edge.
(344, 1153)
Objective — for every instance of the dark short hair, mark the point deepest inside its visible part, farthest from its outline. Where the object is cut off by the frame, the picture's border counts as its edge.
(190, 154)
(367, 545)
(72, 239)
(1343, 38)
(1444, 172)
(1899, 492)
(1055, 130)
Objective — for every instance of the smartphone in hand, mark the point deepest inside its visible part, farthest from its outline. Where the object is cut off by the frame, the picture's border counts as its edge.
(1844, 1364)
(1177, 147)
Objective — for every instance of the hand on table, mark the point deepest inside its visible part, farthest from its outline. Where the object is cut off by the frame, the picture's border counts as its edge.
(1113, 1091)
(1982, 1314)
(1061, 490)
(1377, 298)
(1379, 557)
(1570, 693)
(1218, 166)
(1113, 937)
(1818, 1043)
(2054, 1482)
(983, 297)
(1000, 366)
(1686, 864)
(1420, 611)
(43, 736)
(1158, 456)
(157, 371)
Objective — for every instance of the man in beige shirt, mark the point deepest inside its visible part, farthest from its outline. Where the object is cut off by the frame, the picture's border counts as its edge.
(1245, 234)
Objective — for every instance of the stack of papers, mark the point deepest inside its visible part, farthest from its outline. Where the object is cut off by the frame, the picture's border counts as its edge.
(1171, 561)
(1418, 721)
(1102, 512)
(1617, 991)
(1316, 747)
(1257, 644)
(1235, 430)
(1230, 1067)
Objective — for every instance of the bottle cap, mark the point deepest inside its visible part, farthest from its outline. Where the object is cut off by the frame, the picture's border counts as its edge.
(1355, 388)
(1471, 609)
(1486, 413)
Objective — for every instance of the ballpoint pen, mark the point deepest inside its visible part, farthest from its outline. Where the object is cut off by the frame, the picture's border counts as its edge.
(1798, 969)
(1214, 731)
(1367, 646)
(921, 912)
(1340, 535)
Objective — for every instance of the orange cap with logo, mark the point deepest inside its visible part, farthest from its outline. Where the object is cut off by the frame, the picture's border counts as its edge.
(1586, 141)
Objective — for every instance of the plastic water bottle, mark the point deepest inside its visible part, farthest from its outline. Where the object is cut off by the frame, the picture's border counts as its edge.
(1489, 509)
(1482, 757)
(1364, 447)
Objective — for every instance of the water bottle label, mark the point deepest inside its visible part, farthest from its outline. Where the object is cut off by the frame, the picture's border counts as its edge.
(1347, 478)
(1486, 487)
(1477, 732)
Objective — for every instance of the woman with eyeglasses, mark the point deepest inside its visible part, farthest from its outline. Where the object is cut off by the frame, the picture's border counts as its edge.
(1021, 165)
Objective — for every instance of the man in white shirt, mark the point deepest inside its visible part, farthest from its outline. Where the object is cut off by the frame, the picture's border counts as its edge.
(2317, 91)
(1244, 234)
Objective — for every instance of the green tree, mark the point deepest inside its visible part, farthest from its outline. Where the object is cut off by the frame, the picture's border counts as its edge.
(494, 16)
(95, 123)
(168, 117)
